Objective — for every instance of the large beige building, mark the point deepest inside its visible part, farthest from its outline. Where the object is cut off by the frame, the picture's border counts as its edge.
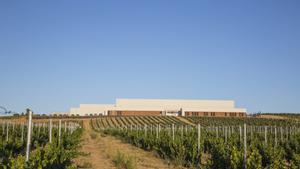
(161, 107)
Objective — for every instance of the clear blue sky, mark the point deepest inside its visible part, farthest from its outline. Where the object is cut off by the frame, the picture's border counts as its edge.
(58, 54)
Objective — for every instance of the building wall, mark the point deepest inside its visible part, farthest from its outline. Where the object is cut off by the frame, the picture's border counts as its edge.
(157, 107)
(175, 104)
(59, 114)
(216, 114)
(91, 109)
(134, 113)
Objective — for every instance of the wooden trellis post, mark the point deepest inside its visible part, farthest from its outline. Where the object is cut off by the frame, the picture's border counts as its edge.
(186, 130)
(181, 131)
(251, 132)
(3, 127)
(245, 146)
(50, 131)
(275, 136)
(173, 132)
(169, 129)
(199, 137)
(240, 127)
(281, 135)
(225, 134)
(157, 135)
(59, 131)
(28, 134)
(22, 132)
(39, 128)
(65, 126)
(266, 139)
(145, 130)
(286, 133)
(158, 130)
(7, 128)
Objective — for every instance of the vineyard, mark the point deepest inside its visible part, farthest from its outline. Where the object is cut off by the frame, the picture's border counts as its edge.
(211, 142)
(191, 142)
(49, 144)
(208, 121)
(112, 122)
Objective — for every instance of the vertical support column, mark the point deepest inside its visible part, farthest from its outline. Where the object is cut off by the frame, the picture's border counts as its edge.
(245, 146)
(275, 136)
(59, 131)
(169, 129)
(281, 135)
(286, 133)
(251, 132)
(266, 141)
(50, 131)
(186, 129)
(157, 131)
(7, 128)
(240, 134)
(22, 132)
(199, 137)
(39, 128)
(65, 126)
(229, 132)
(29, 112)
(3, 127)
(181, 131)
(173, 132)
(145, 130)
(225, 134)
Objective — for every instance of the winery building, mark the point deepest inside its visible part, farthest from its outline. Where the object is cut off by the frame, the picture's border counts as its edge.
(161, 107)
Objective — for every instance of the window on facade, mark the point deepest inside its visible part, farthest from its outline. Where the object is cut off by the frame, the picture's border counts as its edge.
(205, 113)
(232, 114)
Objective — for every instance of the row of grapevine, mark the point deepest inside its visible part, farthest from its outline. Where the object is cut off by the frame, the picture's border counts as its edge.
(105, 122)
(218, 146)
(207, 121)
(52, 144)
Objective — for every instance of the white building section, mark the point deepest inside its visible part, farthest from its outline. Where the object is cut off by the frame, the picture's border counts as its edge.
(157, 107)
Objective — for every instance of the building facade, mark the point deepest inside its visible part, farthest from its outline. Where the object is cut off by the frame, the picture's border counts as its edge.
(161, 107)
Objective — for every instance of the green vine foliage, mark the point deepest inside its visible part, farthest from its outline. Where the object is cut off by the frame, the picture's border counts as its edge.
(43, 155)
(219, 153)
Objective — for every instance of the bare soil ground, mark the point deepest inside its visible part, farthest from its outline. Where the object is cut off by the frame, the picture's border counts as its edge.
(103, 150)
(96, 157)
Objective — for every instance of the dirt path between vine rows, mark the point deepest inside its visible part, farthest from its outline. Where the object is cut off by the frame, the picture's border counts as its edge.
(103, 150)
(185, 120)
(95, 158)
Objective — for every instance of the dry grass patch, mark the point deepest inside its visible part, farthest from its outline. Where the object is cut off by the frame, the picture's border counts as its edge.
(124, 162)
